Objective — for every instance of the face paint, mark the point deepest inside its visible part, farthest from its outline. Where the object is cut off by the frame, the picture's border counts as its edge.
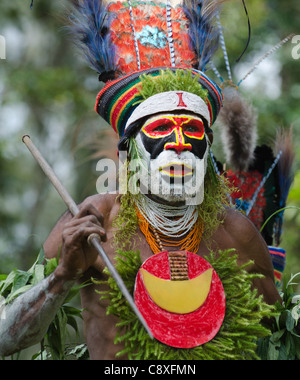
(167, 144)
(174, 132)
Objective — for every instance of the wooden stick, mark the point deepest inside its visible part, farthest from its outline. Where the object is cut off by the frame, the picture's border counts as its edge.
(93, 239)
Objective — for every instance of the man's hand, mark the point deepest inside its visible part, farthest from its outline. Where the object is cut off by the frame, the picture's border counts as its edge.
(77, 255)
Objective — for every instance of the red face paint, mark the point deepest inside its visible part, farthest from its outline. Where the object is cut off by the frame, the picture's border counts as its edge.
(163, 126)
(177, 132)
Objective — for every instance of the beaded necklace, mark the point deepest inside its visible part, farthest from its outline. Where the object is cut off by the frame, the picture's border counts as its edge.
(157, 240)
(172, 221)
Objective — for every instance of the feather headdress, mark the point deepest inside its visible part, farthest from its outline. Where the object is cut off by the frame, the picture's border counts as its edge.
(238, 129)
(122, 37)
(90, 24)
(126, 39)
(203, 32)
(284, 147)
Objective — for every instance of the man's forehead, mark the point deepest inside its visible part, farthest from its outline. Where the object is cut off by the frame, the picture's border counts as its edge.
(172, 116)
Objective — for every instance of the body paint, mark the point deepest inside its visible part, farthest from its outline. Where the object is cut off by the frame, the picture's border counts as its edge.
(177, 132)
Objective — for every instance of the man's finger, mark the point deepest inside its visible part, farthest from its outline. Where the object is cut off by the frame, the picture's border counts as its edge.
(89, 209)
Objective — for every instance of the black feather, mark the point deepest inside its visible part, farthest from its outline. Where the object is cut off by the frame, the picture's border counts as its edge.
(203, 33)
(90, 27)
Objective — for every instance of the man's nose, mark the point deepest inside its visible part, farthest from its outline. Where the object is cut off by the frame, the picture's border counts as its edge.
(178, 141)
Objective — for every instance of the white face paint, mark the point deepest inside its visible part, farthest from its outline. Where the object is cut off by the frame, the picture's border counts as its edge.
(173, 177)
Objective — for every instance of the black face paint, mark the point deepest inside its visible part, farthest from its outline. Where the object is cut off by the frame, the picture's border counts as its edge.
(174, 132)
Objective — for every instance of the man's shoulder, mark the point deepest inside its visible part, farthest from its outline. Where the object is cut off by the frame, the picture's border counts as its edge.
(239, 225)
(104, 202)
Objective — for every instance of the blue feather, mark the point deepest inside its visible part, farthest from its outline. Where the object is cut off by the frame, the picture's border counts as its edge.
(90, 27)
(204, 35)
(284, 145)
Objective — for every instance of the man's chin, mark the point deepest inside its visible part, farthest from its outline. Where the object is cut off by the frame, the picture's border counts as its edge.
(180, 194)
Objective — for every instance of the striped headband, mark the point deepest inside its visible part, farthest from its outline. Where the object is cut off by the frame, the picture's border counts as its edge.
(121, 104)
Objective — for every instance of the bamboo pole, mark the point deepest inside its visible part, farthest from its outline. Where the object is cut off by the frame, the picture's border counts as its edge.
(93, 239)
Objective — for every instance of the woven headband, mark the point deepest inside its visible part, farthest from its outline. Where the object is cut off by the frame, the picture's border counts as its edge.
(121, 104)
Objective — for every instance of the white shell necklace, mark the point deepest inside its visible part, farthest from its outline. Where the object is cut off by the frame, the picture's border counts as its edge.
(173, 221)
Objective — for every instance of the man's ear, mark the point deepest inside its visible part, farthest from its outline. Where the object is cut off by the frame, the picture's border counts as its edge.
(210, 136)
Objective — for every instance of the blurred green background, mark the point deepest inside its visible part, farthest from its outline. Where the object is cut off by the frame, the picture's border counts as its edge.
(48, 92)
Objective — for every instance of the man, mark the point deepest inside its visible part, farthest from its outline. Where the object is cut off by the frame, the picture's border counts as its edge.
(177, 206)
(179, 140)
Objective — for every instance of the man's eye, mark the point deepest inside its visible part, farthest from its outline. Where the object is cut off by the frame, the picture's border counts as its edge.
(161, 128)
(191, 128)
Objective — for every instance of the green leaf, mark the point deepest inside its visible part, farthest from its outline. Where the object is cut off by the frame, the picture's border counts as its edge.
(3, 277)
(282, 353)
(75, 290)
(275, 338)
(273, 352)
(73, 323)
(8, 282)
(80, 351)
(277, 212)
(50, 266)
(21, 279)
(290, 322)
(19, 291)
(38, 275)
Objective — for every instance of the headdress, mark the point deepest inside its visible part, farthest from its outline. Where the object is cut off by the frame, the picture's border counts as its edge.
(126, 42)
(126, 39)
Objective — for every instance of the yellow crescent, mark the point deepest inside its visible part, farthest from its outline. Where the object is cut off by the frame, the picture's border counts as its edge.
(179, 297)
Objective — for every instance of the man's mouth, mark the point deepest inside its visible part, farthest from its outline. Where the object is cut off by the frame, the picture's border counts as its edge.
(176, 170)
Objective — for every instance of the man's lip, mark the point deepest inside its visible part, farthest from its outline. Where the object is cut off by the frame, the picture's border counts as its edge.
(176, 170)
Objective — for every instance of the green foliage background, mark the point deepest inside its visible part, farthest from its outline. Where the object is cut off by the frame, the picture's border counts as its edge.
(48, 92)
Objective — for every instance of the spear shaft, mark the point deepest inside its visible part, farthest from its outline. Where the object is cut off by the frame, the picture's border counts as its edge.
(93, 239)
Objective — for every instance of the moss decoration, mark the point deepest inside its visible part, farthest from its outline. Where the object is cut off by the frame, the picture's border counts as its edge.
(169, 80)
(236, 340)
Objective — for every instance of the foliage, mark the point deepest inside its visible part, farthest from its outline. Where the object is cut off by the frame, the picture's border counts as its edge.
(284, 343)
(171, 81)
(237, 338)
(54, 344)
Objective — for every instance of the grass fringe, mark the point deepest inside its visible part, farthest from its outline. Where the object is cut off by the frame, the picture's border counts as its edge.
(237, 337)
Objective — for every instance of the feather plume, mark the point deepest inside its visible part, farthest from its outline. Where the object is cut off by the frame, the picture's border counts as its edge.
(284, 146)
(265, 56)
(203, 31)
(238, 130)
(90, 26)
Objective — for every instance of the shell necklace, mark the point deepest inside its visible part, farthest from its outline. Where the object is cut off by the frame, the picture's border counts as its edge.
(165, 225)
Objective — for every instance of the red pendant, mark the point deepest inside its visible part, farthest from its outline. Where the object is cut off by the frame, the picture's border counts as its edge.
(181, 298)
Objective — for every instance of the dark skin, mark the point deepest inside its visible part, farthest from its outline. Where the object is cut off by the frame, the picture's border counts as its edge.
(80, 262)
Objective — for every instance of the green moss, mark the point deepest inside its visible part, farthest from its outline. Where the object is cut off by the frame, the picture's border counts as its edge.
(171, 81)
(239, 333)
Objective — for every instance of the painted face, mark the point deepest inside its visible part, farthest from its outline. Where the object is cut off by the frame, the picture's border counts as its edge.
(175, 149)
(174, 132)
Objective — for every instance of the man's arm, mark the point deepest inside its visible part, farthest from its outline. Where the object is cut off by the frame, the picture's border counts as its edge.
(28, 317)
(25, 321)
(250, 245)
